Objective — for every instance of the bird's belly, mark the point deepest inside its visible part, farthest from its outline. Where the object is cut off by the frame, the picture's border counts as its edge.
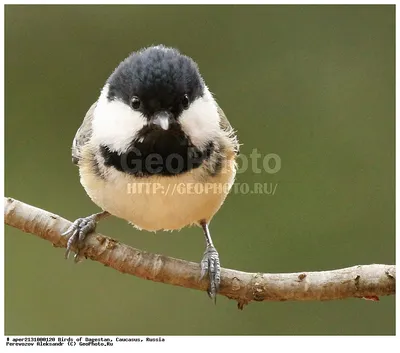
(159, 203)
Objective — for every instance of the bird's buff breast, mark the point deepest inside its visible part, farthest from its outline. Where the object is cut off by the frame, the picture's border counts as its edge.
(160, 203)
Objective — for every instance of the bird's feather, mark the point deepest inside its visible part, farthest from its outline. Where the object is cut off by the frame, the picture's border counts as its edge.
(227, 128)
(82, 135)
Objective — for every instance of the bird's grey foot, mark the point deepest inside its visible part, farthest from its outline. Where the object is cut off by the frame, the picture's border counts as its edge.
(77, 233)
(210, 264)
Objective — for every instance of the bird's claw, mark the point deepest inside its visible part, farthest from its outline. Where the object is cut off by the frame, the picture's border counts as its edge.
(77, 233)
(211, 264)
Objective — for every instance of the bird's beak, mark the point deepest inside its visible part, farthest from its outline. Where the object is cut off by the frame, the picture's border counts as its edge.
(161, 119)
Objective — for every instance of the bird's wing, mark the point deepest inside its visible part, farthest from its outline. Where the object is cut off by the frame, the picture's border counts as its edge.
(82, 135)
(226, 126)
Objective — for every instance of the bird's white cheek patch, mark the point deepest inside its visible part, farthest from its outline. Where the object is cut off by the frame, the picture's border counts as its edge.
(201, 121)
(115, 124)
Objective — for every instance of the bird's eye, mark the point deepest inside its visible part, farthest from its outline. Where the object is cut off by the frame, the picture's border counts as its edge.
(185, 101)
(135, 103)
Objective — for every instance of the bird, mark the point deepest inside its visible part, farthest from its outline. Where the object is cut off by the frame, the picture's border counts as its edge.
(157, 124)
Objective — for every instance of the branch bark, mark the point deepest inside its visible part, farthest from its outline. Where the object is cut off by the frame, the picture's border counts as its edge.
(363, 281)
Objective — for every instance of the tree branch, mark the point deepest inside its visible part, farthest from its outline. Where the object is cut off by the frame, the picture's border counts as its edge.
(363, 281)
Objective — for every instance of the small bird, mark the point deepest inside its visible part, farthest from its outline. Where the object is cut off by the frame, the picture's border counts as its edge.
(156, 124)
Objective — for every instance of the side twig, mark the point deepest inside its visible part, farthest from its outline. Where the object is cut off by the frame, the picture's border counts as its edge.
(363, 281)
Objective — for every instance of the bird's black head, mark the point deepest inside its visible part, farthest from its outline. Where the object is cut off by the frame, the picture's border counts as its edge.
(161, 86)
(156, 79)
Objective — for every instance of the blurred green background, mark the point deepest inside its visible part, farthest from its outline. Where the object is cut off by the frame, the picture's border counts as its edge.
(313, 84)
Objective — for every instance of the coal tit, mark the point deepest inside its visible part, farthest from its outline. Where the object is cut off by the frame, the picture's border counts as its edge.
(156, 124)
